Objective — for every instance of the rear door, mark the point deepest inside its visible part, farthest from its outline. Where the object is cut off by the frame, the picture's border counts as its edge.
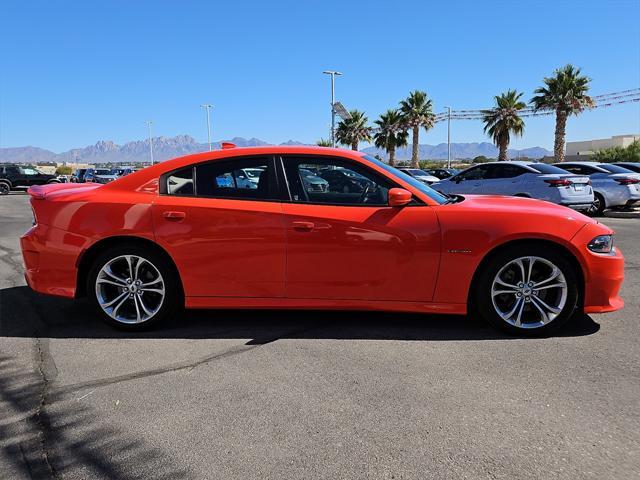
(503, 179)
(347, 243)
(226, 236)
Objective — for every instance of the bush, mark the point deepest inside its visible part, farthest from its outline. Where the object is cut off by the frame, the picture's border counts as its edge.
(619, 154)
(64, 170)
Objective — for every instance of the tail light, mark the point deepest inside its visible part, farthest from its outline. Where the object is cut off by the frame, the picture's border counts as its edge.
(627, 181)
(559, 183)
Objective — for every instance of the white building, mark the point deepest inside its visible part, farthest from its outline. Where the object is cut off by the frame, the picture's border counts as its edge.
(587, 147)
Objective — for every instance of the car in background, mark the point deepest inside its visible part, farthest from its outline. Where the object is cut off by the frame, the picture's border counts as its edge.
(99, 175)
(633, 166)
(252, 175)
(78, 175)
(442, 173)
(613, 186)
(17, 177)
(312, 182)
(421, 175)
(522, 179)
(122, 171)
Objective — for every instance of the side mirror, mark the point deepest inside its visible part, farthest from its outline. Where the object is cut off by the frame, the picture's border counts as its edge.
(399, 197)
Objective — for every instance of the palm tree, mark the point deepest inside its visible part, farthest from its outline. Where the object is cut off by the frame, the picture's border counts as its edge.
(391, 133)
(566, 93)
(417, 111)
(503, 120)
(353, 130)
(323, 142)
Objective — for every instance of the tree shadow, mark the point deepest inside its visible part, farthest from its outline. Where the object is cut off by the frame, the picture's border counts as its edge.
(42, 440)
(24, 313)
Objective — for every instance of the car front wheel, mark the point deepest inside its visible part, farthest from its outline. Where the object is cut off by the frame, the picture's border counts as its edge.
(4, 188)
(528, 290)
(133, 287)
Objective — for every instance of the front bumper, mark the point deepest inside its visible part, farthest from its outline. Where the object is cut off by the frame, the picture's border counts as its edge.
(603, 273)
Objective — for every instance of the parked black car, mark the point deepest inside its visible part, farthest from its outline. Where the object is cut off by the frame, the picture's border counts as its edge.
(442, 173)
(14, 177)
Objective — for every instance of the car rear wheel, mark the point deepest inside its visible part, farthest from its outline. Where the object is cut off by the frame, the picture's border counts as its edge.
(528, 290)
(4, 188)
(132, 287)
(597, 207)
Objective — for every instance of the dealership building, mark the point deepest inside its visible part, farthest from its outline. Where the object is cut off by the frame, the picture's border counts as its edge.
(588, 147)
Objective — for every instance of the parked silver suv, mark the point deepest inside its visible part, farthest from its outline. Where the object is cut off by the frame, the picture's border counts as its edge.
(522, 179)
(613, 186)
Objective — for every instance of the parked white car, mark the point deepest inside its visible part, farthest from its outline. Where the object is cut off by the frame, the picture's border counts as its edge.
(613, 186)
(522, 179)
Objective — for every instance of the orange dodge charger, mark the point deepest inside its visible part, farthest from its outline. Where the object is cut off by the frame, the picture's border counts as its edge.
(313, 228)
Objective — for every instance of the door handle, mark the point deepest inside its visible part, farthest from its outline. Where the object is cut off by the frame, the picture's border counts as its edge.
(303, 226)
(174, 216)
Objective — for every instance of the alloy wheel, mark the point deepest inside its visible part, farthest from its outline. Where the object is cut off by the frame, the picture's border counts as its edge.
(130, 289)
(529, 292)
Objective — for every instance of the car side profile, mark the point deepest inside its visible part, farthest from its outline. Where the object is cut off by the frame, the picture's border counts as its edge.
(17, 177)
(613, 186)
(522, 179)
(173, 235)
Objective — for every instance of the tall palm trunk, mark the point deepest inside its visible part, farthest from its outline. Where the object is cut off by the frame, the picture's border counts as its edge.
(392, 156)
(416, 146)
(354, 145)
(503, 154)
(558, 145)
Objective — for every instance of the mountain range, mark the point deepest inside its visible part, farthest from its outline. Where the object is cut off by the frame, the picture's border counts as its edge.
(106, 151)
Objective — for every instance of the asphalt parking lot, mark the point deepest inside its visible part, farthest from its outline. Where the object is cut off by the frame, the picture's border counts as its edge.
(241, 395)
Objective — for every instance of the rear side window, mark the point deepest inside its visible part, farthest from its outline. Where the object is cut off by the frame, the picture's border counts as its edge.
(544, 168)
(249, 179)
(180, 182)
(614, 168)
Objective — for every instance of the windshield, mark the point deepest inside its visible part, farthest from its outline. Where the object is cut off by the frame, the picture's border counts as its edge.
(614, 168)
(415, 183)
(544, 168)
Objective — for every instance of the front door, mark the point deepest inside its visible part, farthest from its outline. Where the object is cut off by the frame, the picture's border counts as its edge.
(345, 242)
(226, 235)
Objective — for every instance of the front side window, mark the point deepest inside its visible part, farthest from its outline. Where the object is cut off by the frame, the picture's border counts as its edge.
(334, 181)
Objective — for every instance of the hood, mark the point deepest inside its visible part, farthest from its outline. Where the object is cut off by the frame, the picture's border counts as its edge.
(520, 206)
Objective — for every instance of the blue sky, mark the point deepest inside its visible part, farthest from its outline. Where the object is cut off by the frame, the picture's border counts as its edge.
(73, 73)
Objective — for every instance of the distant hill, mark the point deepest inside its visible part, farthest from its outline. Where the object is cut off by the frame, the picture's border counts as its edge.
(460, 151)
(169, 147)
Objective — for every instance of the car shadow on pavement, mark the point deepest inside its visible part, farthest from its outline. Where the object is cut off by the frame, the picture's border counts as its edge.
(24, 313)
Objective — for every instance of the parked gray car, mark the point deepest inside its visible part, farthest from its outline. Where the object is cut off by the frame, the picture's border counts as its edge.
(522, 179)
(614, 186)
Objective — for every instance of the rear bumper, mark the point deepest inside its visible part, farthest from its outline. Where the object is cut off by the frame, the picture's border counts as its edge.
(49, 269)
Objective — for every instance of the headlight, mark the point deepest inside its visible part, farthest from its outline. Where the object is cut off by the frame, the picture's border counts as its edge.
(601, 244)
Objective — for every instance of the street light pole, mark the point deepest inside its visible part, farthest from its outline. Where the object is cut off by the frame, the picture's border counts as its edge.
(449, 137)
(208, 107)
(149, 123)
(333, 74)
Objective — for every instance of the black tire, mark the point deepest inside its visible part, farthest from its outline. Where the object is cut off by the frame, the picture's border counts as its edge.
(598, 206)
(53, 181)
(5, 188)
(170, 304)
(484, 303)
